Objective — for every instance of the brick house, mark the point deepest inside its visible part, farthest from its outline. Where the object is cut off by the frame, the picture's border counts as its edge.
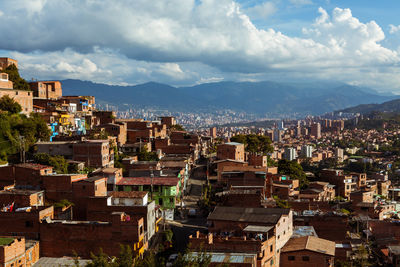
(16, 251)
(59, 186)
(119, 130)
(6, 62)
(318, 191)
(258, 240)
(133, 203)
(5, 83)
(24, 222)
(24, 175)
(164, 190)
(236, 219)
(344, 184)
(114, 175)
(308, 251)
(231, 150)
(22, 97)
(46, 89)
(22, 198)
(60, 238)
(95, 153)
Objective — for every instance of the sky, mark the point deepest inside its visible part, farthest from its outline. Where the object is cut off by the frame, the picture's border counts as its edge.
(187, 42)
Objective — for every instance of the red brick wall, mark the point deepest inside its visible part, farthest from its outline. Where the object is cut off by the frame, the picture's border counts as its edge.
(315, 259)
(13, 253)
(333, 228)
(58, 239)
(134, 136)
(60, 186)
(34, 252)
(6, 84)
(7, 175)
(24, 98)
(25, 224)
(20, 200)
(161, 143)
(230, 152)
(178, 149)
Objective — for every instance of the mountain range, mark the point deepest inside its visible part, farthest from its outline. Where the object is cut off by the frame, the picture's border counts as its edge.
(389, 106)
(264, 98)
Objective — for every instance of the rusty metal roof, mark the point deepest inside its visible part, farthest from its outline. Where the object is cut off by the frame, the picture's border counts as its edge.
(251, 215)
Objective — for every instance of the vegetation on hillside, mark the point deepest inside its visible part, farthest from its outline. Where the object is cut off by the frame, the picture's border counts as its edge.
(126, 259)
(144, 155)
(254, 143)
(18, 131)
(59, 164)
(294, 171)
(13, 75)
(177, 127)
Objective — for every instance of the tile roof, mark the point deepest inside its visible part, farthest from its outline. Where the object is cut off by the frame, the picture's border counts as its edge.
(310, 243)
(110, 170)
(33, 166)
(251, 215)
(92, 179)
(168, 181)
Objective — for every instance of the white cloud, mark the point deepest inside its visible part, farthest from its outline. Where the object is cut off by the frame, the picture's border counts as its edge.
(301, 2)
(172, 70)
(179, 42)
(263, 10)
(393, 29)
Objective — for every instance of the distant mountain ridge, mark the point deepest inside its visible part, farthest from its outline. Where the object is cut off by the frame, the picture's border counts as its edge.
(253, 97)
(389, 106)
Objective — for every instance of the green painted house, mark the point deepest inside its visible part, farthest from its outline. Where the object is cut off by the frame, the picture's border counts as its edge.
(163, 190)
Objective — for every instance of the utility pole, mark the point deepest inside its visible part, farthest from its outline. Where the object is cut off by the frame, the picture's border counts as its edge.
(22, 148)
(151, 177)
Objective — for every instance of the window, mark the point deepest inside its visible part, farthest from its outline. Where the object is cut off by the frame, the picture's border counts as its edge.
(291, 258)
(270, 248)
(306, 258)
(28, 224)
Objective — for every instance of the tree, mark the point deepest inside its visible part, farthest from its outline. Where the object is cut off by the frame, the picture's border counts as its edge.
(177, 127)
(200, 259)
(18, 129)
(9, 104)
(254, 143)
(125, 258)
(293, 170)
(59, 164)
(144, 155)
(13, 75)
(101, 260)
(42, 131)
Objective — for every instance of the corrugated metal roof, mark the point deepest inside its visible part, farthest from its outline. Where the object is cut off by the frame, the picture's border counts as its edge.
(257, 228)
(251, 215)
(310, 243)
(219, 257)
(168, 181)
(61, 262)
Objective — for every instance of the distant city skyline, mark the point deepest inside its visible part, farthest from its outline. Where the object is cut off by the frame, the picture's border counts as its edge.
(190, 42)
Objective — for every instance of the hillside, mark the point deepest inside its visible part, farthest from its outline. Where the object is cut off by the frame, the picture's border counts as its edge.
(389, 106)
(266, 97)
